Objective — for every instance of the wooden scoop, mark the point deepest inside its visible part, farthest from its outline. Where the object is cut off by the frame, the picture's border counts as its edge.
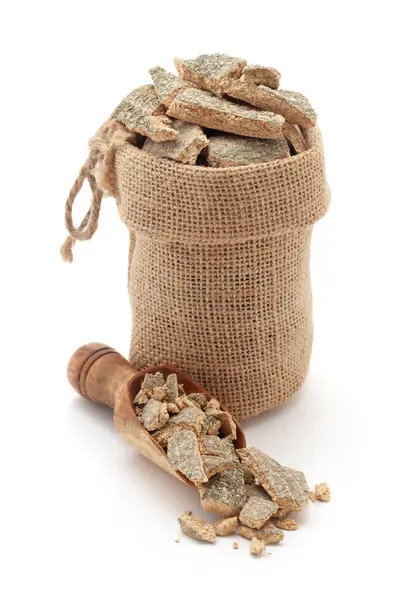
(102, 375)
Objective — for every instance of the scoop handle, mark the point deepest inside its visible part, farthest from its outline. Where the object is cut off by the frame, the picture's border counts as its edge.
(98, 373)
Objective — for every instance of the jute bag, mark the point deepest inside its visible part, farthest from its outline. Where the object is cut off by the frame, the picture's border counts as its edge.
(219, 277)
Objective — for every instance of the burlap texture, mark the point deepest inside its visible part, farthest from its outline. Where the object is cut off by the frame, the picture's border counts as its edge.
(219, 276)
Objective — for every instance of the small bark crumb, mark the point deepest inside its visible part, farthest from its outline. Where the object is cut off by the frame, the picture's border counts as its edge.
(177, 540)
(257, 547)
(172, 408)
(286, 524)
(322, 492)
(197, 528)
(225, 526)
(235, 546)
(268, 533)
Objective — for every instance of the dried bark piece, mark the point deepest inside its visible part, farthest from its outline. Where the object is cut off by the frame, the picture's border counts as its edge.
(163, 435)
(199, 399)
(256, 490)
(211, 425)
(286, 524)
(212, 445)
(189, 418)
(294, 136)
(141, 398)
(167, 85)
(225, 526)
(281, 513)
(261, 75)
(216, 464)
(228, 150)
(184, 456)
(295, 107)
(142, 111)
(228, 425)
(172, 408)
(172, 388)
(224, 492)
(322, 492)
(196, 528)
(207, 70)
(257, 547)
(235, 546)
(151, 381)
(269, 533)
(256, 512)
(185, 148)
(287, 487)
(212, 406)
(202, 108)
(159, 393)
(155, 415)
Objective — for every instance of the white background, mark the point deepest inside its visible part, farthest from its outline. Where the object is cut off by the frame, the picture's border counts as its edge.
(83, 516)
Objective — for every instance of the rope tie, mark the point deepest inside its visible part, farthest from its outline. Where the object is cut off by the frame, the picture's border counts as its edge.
(99, 171)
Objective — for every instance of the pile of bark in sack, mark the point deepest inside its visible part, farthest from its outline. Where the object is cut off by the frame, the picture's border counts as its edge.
(218, 112)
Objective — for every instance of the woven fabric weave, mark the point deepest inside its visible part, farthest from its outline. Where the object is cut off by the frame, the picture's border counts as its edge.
(219, 276)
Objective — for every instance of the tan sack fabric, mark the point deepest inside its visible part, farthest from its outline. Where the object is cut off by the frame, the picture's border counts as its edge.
(219, 276)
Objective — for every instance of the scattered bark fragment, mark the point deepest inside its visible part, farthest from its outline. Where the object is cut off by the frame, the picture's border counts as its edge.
(211, 425)
(216, 464)
(235, 546)
(257, 547)
(151, 381)
(185, 148)
(155, 415)
(228, 425)
(159, 393)
(189, 418)
(294, 136)
(322, 492)
(256, 512)
(224, 493)
(286, 524)
(225, 526)
(171, 386)
(184, 456)
(228, 150)
(261, 75)
(287, 487)
(295, 107)
(196, 528)
(199, 399)
(172, 408)
(167, 85)
(207, 70)
(142, 111)
(202, 108)
(268, 533)
(177, 540)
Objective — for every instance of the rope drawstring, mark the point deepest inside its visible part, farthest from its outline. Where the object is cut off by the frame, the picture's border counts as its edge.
(100, 174)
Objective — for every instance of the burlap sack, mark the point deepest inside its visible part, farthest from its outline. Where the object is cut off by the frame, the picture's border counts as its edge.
(219, 276)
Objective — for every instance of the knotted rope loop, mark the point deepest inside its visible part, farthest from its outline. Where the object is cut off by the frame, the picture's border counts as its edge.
(99, 171)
